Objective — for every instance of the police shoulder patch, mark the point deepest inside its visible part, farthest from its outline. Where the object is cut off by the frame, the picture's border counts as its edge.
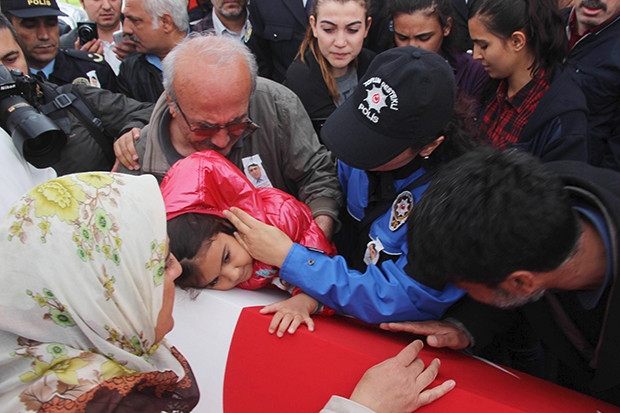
(401, 208)
(82, 55)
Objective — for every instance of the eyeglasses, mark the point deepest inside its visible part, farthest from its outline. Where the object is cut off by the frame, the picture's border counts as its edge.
(235, 129)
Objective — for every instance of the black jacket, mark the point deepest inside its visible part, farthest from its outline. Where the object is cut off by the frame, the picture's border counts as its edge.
(595, 63)
(558, 128)
(72, 66)
(278, 27)
(139, 79)
(306, 80)
(117, 114)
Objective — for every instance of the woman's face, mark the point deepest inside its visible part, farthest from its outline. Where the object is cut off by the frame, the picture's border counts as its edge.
(165, 321)
(421, 30)
(493, 52)
(340, 29)
(224, 263)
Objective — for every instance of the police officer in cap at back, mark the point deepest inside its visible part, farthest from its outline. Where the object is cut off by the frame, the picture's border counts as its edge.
(36, 24)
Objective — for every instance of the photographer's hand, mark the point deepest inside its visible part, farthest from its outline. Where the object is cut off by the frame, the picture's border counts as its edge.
(92, 46)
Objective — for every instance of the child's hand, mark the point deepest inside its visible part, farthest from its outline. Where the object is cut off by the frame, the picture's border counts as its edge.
(265, 243)
(290, 313)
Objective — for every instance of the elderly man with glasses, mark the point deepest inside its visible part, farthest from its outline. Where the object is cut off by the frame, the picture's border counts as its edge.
(214, 100)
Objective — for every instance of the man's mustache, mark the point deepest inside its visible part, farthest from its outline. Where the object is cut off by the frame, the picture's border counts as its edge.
(593, 4)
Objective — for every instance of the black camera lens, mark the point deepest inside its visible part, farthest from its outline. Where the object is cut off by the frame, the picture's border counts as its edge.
(87, 31)
(34, 134)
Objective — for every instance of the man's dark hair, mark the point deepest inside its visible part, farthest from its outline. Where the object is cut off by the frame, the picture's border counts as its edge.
(5, 23)
(487, 214)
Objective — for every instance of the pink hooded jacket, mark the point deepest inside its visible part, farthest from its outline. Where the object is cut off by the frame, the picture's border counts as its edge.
(207, 183)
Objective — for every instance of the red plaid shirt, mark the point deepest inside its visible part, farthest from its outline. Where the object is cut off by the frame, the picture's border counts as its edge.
(504, 118)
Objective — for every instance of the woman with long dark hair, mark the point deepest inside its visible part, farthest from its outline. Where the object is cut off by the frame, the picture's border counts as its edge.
(537, 107)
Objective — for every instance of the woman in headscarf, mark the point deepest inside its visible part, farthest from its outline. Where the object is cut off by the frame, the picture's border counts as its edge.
(86, 299)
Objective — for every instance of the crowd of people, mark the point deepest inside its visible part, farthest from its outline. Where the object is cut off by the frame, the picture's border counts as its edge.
(447, 168)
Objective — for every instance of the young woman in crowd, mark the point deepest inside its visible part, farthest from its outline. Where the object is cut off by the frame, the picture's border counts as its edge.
(331, 58)
(429, 24)
(196, 190)
(88, 290)
(537, 107)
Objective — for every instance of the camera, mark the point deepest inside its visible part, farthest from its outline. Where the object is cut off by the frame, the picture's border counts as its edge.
(34, 135)
(87, 31)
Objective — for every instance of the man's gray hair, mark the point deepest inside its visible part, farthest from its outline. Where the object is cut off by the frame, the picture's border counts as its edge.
(206, 46)
(177, 9)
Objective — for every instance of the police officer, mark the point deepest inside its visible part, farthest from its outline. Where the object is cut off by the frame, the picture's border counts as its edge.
(36, 24)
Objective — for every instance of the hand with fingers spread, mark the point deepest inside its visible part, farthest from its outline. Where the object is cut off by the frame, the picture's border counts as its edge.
(265, 243)
(399, 384)
(125, 150)
(291, 313)
(438, 333)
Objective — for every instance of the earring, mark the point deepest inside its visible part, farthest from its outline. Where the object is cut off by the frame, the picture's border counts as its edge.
(426, 157)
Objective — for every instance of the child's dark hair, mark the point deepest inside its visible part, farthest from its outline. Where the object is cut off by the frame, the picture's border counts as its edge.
(540, 20)
(441, 9)
(190, 232)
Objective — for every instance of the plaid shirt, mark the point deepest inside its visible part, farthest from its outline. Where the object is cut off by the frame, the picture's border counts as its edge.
(504, 118)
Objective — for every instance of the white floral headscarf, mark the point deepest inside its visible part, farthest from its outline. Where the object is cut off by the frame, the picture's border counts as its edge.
(81, 286)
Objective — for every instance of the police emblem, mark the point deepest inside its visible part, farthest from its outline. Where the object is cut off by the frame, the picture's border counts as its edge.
(81, 80)
(379, 95)
(401, 208)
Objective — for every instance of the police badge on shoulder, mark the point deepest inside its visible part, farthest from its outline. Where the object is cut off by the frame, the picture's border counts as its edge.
(401, 208)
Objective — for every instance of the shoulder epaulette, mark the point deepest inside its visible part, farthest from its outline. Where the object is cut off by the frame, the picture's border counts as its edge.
(83, 55)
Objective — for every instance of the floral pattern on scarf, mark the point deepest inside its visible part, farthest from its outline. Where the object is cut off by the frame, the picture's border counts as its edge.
(83, 268)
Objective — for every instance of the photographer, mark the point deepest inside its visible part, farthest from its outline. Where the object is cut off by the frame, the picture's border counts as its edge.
(105, 17)
(90, 118)
(36, 25)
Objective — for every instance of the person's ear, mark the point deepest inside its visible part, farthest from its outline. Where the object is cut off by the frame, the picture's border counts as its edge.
(167, 23)
(312, 23)
(521, 283)
(518, 41)
(172, 107)
(448, 27)
(430, 148)
(368, 24)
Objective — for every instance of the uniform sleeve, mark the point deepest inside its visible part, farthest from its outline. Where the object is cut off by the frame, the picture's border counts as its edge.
(380, 294)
